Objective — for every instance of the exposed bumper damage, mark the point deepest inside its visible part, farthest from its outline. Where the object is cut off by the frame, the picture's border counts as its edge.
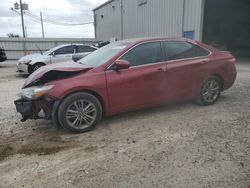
(22, 68)
(35, 109)
(45, 106)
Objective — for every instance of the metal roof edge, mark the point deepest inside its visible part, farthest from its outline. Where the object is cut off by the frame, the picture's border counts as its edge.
(102, 5)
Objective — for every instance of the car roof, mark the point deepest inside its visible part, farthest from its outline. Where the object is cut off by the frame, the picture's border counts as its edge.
(63, 45)
(148, 39)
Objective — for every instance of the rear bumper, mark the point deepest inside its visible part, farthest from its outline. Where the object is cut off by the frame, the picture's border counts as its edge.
(230, 78)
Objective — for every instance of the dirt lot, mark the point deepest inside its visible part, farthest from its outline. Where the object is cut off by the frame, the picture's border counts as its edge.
(183, 145)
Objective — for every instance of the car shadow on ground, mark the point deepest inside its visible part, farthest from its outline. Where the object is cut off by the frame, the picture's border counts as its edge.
(150, 111)
(42, 137)
(43, 134)
(49, 128)
(168, 109)
(22, 75)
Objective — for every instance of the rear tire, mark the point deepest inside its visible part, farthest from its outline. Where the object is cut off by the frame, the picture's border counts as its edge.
(79, 112)
(210, 91)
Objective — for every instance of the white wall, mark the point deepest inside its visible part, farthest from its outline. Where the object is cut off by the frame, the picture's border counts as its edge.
(193, 19)
(156, 18)
(108, 21)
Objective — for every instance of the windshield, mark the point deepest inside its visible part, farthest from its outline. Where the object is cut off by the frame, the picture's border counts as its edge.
(102, 55)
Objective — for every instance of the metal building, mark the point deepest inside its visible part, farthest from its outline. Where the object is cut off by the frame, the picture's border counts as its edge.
(224, 23)
(123, 19)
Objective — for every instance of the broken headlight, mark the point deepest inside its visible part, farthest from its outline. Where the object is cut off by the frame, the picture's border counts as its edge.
(28, 62)
(24, 62)
(34, 92)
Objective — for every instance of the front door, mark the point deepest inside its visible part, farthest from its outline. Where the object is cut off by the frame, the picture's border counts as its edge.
(63, 54)
(143, 83)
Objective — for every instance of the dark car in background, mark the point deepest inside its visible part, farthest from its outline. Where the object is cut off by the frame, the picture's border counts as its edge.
(3, 56)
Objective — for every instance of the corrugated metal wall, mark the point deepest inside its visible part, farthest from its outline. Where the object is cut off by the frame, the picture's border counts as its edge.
(155, 18)
(193, 19)
(151, 18)
(17, 47)
(108, 21)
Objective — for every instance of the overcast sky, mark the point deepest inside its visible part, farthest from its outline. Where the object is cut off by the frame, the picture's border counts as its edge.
(62, 11)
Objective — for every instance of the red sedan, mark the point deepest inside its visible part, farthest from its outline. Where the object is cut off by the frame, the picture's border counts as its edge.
(124, 76)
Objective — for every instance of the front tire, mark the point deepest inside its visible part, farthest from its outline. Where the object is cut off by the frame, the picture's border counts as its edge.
(79, 112)
(210, 91)
(34, 67)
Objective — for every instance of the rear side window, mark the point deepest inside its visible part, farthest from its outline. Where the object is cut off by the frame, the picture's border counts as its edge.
(143, 54)
(65, 50)
(181, 50)
(82, 49)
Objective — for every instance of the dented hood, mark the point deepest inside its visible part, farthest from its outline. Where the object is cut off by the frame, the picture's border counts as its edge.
(54, 72)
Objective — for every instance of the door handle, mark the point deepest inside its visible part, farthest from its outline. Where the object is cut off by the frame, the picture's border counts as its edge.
(203, 62)
(162, 69)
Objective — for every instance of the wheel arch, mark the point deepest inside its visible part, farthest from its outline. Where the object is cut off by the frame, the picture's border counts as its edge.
(94, 93)
(221, 80)
(36, 62)
(31, 65)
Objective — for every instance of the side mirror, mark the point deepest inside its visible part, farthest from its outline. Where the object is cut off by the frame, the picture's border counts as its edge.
(53, 54)
(121, 64)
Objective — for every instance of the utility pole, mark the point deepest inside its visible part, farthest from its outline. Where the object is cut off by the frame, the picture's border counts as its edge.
(26, 31)
(183, 17)
(21, 9)
(41, 16)
(121, 19)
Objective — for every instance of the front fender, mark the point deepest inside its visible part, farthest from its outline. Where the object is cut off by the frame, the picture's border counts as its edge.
(94, 83)
(40, 60)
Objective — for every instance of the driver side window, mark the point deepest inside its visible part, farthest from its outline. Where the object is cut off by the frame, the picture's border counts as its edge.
(144, 54)
(65, 50)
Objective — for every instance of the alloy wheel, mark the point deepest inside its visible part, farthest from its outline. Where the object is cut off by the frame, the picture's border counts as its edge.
(211, 91)
(81, 114)
(36, 67)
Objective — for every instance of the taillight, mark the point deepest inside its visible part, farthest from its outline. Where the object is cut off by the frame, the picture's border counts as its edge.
(232, 60)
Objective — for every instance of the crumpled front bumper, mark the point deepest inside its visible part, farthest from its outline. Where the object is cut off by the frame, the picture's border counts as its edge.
(35, 109)
(25, 108)
(22, 68)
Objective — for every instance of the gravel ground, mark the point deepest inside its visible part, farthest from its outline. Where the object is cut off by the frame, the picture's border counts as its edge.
(182, 145)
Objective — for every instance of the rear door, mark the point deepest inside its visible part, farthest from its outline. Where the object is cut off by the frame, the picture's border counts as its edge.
(143, 83)
(185, 69)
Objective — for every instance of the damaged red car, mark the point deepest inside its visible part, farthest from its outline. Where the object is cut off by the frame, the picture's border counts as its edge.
(124, 76)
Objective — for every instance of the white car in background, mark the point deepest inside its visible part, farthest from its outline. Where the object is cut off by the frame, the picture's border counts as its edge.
(29, 63)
